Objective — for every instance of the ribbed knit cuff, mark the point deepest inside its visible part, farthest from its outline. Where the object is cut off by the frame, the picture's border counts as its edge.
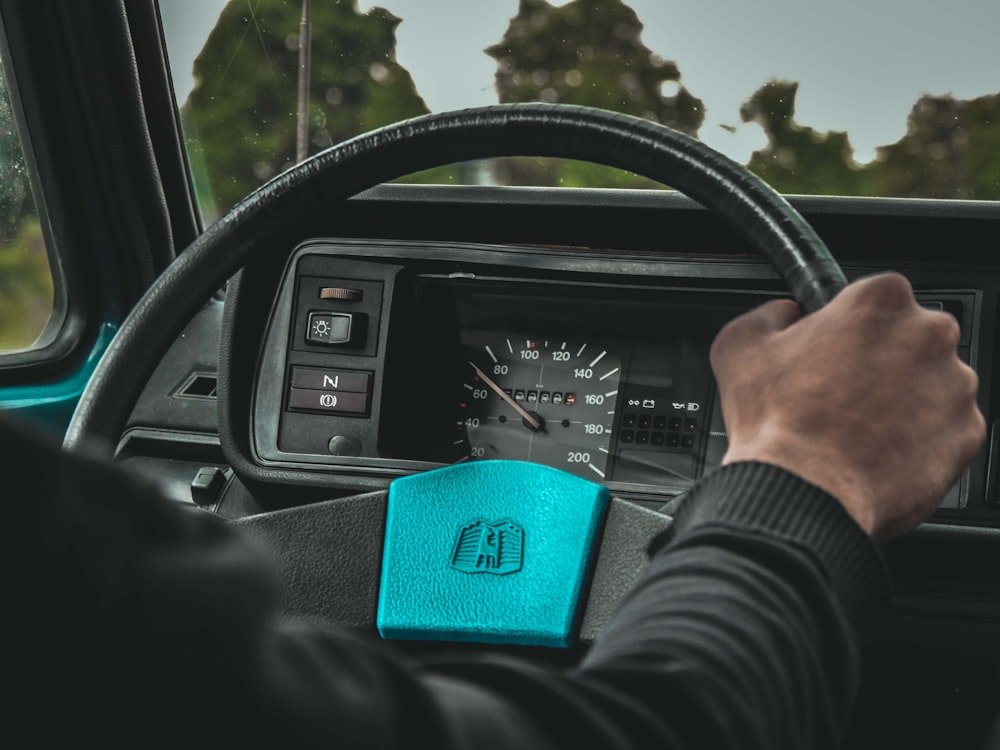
(768, 499)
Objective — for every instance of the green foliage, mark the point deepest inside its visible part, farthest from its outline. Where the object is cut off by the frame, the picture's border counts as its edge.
(951, 150)
(798, 159)
(15, 192)
(26, 294)
(240, 119)
(537, 171)
(587, 52)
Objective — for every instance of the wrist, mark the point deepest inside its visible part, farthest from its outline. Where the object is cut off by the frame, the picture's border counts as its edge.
(823, 472)
(761, 498)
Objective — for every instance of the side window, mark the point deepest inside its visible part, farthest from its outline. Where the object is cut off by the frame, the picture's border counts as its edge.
(30, 308)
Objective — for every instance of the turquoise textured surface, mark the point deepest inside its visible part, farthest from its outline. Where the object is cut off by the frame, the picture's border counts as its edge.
(489, 552)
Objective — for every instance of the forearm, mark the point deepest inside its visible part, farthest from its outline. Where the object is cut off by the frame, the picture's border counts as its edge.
(745, 631)
(143, 615)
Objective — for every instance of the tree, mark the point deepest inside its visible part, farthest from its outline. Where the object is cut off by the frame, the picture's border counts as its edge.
(239, 120)
(951, 150)
(15, 191)
(798, 159)
(26, 293)
(587, 52)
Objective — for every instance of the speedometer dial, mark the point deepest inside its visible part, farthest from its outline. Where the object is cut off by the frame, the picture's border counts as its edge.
(547, 399)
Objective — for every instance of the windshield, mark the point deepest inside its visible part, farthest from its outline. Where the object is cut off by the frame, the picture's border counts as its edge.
(893, 98)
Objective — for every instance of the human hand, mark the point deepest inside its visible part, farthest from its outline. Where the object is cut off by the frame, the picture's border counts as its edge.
(865, 398)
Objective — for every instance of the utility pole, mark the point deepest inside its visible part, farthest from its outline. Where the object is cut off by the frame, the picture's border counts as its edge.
(302, 123)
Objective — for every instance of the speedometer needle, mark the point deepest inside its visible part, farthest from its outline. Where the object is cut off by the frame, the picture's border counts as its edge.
(532, 420)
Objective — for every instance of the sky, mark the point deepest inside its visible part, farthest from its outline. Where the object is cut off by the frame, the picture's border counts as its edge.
(860, 64)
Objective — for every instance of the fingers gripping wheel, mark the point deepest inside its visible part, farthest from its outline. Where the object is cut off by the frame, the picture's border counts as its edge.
(562, 131)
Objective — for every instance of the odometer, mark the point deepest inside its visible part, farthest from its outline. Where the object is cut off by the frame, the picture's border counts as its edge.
(550, 400)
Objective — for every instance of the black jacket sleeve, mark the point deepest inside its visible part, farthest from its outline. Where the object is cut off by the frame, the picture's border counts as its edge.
(142, 623)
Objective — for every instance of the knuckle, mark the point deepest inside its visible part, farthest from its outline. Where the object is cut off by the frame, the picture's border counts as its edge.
(975, 435)
(729, 330)
(897, 284)
(943, 329)
(750, 328)
(734, 332)
(964, 388)
(980, 426)
(888, 289)
(720, 345)
(971, 381)
(976, 422)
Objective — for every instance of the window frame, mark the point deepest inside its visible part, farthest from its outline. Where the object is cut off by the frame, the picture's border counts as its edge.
(96, 101)
(59, 336)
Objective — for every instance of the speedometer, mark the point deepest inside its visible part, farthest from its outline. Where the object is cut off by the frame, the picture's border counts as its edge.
(549, 400)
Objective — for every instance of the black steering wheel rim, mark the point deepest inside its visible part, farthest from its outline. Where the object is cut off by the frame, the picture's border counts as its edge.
(255, 225)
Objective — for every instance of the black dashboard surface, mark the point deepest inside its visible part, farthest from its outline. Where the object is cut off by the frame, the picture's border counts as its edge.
(619, 293)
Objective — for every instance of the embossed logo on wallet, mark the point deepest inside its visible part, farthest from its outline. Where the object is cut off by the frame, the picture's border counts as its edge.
(484, 547)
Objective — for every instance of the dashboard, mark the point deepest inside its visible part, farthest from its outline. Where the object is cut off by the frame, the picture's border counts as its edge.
(376, 342)
(388, 357)
(428, 326)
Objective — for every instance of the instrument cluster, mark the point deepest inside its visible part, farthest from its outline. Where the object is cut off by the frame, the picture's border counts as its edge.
(395, 358)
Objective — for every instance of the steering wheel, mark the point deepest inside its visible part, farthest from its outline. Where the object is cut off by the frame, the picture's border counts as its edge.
(264, 219)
